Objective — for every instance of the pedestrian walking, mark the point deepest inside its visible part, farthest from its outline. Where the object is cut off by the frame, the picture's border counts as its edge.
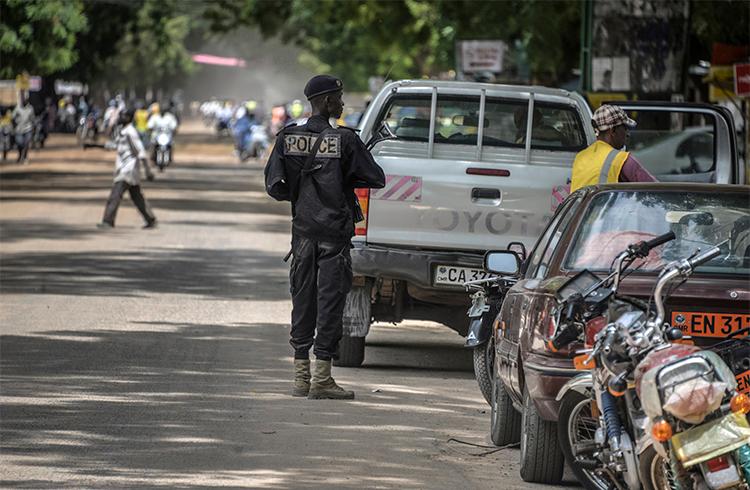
(23, 120)
(604, 161)
(130, 156)
(317, 168)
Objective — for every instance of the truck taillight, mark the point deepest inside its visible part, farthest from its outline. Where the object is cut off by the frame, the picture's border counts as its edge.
(363, 196)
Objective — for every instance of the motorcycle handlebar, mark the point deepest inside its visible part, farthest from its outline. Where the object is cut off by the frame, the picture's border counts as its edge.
(655, 242)
(642, 249)
(704, 257)
(563, 338)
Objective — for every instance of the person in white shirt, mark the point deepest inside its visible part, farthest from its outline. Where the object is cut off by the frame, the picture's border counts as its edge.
(130, 156)
(161, 122)
(23, 119)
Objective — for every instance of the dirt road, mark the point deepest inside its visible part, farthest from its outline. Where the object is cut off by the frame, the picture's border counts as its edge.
(159, 358)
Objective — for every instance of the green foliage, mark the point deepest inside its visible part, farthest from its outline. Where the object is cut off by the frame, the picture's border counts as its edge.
(152, 51)
(409, 38)
(39, 36)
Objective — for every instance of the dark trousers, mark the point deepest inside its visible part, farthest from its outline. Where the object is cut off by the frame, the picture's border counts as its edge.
(320, 279)
(118, 189)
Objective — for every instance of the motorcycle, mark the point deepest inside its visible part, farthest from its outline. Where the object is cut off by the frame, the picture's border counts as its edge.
(87, 129)
(486, 299)
(39, 135)
(254, 143)
(697, 417)
(163, 149)
(642, 387)
(601, 430)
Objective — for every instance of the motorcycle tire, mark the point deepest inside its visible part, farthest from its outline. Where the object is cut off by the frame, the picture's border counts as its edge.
(575, 412)
(505, 420)
(541, 458)
(484, 357)
(656, 473)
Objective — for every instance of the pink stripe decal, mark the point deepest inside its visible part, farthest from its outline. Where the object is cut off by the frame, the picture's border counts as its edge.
(399, 185)
(375, 193)
(417, 186)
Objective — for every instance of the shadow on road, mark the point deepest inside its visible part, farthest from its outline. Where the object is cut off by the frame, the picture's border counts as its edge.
(199, 406)
(216, 273)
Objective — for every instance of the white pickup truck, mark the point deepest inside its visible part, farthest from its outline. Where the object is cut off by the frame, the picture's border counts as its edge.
(478, 166)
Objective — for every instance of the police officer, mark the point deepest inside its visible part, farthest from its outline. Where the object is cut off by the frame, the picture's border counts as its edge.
(605, 161)
(317, 168)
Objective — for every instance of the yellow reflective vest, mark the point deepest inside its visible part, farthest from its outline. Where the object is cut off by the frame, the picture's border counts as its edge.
(597, 164)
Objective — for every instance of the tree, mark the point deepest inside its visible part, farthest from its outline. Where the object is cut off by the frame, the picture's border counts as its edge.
(152, 51)
(38, 36)
(409, 38)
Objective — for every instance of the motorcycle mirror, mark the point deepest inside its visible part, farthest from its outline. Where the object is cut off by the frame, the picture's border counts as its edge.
(619, 384)
(673, 334)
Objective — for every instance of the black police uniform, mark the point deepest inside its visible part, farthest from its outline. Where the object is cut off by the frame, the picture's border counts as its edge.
(323, 215)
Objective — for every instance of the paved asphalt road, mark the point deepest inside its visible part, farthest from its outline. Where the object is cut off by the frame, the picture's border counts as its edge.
(159, 359)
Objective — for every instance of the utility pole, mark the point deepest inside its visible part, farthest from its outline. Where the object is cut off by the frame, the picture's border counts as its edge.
(587, 16)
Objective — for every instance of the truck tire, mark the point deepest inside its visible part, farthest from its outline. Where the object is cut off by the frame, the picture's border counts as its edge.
(351, 352)
(357, 319)
(541, 458)
(484, 356)
(505, 421)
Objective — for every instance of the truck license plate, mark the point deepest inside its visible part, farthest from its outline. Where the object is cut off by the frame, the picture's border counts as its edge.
(451, 275)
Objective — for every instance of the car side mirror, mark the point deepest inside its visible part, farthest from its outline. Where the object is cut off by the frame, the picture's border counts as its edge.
(383, 133)
(503, 262)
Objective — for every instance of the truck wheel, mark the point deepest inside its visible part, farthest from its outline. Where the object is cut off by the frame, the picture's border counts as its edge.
(541, 458)
(357, 319)
(351, 352)
(484, 356)
(505, 421)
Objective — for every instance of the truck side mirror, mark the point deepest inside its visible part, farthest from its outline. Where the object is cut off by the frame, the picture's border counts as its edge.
(519, 248)
(381, 134)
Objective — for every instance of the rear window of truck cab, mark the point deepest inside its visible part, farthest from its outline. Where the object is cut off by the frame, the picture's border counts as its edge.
(457, 122)
(700, 220)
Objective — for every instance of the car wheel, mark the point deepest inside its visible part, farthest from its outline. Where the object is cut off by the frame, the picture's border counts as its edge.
(351, 352)
(484, 356)
(576, 429)
(541, 458)
(505, 421)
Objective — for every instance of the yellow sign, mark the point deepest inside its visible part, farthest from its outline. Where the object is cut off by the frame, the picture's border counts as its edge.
(721, 83)
(596, 98)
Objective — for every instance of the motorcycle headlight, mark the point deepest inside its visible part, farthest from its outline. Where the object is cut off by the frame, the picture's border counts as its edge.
(691, 388)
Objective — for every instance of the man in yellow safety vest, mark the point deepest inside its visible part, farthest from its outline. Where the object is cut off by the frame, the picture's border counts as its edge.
(604, 161)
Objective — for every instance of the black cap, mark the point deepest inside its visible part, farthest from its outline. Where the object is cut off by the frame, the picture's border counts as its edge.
(322, 84)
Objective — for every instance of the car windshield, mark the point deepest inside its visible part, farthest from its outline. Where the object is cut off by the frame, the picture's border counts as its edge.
(699, 220)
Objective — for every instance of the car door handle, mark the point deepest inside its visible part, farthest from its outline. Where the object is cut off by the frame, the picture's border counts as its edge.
(485, 193)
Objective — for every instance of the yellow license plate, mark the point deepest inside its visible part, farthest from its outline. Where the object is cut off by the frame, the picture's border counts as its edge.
(699, 324)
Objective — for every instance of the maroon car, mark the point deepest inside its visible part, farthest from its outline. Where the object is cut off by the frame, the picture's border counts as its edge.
(589, 229)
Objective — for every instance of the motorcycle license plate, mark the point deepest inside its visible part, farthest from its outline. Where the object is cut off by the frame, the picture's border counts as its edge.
(719, 325)
(711, 439)
(452, 275)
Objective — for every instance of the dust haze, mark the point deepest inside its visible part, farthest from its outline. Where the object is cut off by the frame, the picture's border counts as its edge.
(272, 75)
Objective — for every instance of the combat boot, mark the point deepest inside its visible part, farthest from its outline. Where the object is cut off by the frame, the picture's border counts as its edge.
(301, 377)
(324, 387)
